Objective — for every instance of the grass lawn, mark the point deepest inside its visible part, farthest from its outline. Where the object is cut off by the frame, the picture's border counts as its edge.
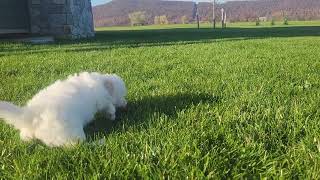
(207, 25)
(242, 102)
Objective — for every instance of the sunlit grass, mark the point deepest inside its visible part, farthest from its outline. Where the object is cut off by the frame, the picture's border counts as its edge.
(209, 25)
(202, 104)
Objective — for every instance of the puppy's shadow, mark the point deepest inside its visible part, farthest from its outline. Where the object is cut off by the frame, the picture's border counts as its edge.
(139, 111)
(100, 126)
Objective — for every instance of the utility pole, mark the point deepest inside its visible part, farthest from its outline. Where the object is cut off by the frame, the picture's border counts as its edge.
(222, 18)
(198, 21)
(225, 19)
(197, 14)
(213, 14)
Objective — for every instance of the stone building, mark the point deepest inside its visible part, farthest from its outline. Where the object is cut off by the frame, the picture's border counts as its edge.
(59, 18)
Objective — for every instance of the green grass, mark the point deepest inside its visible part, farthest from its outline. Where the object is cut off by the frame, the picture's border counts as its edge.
(236, 103)
(207, 25)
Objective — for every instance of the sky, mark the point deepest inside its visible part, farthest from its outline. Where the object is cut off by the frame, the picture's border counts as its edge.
(97, 2)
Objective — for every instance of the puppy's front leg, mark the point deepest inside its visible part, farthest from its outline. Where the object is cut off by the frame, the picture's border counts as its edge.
(111, 111)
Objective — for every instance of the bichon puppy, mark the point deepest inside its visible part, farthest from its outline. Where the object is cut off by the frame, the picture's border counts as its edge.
(58, 114)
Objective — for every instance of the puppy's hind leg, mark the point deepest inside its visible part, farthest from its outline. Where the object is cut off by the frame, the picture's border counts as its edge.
(26, 134)
(67, 135)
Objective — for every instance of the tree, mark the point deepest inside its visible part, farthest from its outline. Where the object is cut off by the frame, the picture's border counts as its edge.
(273, 22)
(257, 22)
(285, 21)
(163, 19)
(138, 18)
(184, 19)
(156, 20)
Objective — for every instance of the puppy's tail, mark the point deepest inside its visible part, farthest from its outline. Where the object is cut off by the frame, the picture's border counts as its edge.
(13, 115)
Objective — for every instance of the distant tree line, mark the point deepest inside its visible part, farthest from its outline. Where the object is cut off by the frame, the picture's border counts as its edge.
(117, 12)
(138, 18)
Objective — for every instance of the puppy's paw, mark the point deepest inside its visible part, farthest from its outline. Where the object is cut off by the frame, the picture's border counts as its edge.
(112, 117)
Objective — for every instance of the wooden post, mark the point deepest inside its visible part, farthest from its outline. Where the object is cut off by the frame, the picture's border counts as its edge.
(225, 19)
(222, 18)
(213, 14)
(198, 20)
(196, 14)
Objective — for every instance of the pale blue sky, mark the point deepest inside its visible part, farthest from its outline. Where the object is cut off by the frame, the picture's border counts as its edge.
(97, 2)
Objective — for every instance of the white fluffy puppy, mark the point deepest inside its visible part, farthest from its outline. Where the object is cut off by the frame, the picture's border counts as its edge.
(57, 114)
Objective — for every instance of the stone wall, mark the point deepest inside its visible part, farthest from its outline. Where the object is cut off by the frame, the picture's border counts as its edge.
(62, 18)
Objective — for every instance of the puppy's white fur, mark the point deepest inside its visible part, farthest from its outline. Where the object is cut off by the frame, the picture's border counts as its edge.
(58, 113)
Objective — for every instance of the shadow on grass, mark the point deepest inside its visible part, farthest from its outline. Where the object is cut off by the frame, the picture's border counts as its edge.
(142, 110)
(105, 40)
(192, 34)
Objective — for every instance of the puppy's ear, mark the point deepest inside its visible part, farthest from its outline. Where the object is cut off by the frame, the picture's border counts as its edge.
(108, 84)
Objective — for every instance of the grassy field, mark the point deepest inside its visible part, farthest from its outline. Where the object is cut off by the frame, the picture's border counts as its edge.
(206, 25)
(242, 102)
